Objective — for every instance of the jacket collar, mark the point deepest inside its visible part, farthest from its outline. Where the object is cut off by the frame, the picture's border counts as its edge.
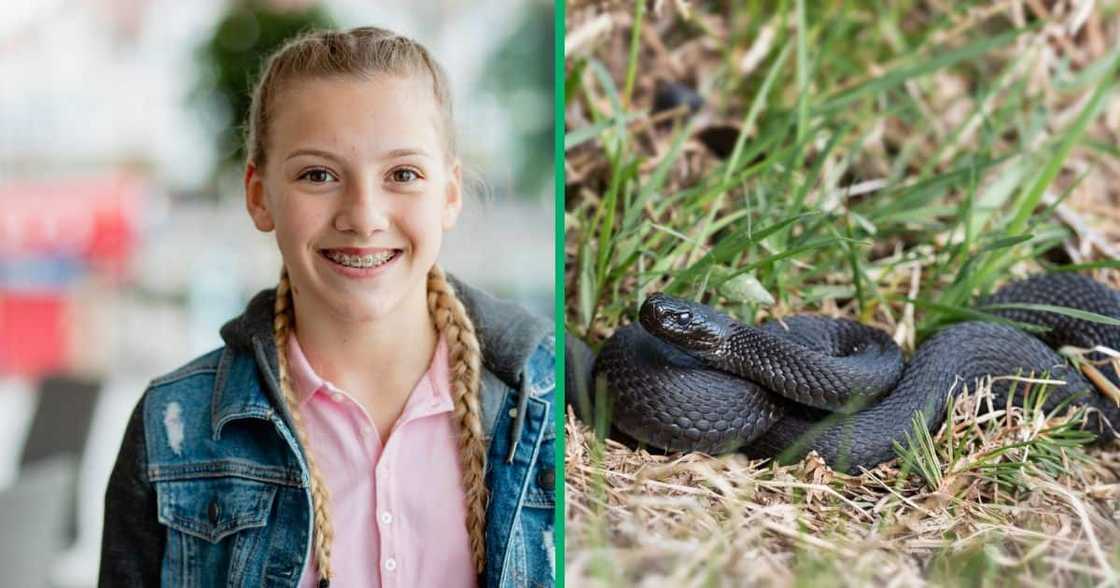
(507, 333)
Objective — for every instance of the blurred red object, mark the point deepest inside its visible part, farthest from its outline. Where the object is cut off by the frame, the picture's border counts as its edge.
(32, 333)
(47, 228)
(92, 218)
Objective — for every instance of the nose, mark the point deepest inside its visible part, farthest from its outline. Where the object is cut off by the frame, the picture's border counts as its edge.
(362, 209)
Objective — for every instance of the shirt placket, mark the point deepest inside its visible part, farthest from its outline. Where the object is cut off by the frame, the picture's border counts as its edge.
(380, 458)
(385, 490)
(388, 514)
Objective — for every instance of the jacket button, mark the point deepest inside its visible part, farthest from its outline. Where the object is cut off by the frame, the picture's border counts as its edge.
(546, 479)
(214, 512)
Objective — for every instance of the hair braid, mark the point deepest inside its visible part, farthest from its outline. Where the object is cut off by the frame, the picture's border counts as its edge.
(464, 359)
(324, 530)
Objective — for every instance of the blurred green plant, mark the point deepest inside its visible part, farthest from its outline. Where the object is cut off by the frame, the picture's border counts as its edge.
(232, 58)
(521, 72)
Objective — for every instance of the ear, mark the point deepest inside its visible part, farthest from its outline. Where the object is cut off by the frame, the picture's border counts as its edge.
(255, 201)
(453, 202)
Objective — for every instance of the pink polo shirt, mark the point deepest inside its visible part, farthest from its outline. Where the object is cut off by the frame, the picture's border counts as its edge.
(399, 510)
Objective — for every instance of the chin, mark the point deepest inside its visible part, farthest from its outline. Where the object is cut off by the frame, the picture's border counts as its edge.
(373, 309)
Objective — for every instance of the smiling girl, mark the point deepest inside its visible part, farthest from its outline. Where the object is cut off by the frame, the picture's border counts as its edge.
(370, 421)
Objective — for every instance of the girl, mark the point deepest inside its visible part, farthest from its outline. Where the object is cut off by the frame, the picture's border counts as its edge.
(370, 421)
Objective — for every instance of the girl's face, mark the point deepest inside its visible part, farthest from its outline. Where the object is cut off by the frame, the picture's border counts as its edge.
(359, 189)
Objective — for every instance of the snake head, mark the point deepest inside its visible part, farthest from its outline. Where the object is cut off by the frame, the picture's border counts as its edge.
(689, 325)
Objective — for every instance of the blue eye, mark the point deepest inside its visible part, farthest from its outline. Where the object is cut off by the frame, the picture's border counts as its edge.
(317, 176)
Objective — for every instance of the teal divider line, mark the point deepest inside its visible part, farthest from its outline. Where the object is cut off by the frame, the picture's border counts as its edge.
(558, 34)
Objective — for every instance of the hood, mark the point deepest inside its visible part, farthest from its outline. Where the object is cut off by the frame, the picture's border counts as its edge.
(507, 333)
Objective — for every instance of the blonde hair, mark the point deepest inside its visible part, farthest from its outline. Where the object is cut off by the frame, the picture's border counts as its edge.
(364, 52)
(360, 52)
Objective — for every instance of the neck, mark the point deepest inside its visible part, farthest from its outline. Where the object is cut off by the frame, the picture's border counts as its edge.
(370, 358)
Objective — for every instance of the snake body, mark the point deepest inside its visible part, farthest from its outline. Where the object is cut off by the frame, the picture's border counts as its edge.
(689, 378)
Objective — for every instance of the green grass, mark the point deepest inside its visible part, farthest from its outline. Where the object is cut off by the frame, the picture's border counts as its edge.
(773, 211)
(897, 163)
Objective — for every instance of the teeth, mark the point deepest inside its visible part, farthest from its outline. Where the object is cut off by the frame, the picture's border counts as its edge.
(360, 261)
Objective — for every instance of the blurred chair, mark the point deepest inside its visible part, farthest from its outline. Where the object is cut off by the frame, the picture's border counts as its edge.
(76, 567)
(61, 424)
(60, 428)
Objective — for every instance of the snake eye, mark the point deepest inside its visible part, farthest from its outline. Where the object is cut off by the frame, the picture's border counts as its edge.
(683, 318)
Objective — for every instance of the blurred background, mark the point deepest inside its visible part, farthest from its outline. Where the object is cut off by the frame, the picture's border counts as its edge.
(124, 241)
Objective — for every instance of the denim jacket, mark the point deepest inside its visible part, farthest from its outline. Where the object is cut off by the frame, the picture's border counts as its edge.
(210, 487)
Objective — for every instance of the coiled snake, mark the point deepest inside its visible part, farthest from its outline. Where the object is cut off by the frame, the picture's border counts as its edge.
(706, 382)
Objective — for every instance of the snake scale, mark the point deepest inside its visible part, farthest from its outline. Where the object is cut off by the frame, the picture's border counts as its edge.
(689, 378)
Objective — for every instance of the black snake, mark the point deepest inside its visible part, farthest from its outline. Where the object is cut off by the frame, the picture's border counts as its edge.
(709, 383)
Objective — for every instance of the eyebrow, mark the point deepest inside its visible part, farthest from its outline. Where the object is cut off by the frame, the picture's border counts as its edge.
(318, 152)
(403, 152)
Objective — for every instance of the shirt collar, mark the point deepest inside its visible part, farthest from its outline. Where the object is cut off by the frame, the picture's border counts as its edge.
(305, 382)
(431, 395)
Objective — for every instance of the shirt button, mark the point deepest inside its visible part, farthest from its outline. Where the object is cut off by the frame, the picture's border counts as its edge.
(390, 564)
(386, 517)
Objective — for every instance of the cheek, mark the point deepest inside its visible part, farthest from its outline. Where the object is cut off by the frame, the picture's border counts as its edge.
(424, 222)
(289, 231)
(304, 211)
(297, 225)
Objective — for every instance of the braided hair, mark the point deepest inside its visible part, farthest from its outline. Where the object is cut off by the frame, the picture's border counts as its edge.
(464, 359)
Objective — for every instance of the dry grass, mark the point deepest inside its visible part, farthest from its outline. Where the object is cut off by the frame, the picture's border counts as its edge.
(636, 518)
(694, 520)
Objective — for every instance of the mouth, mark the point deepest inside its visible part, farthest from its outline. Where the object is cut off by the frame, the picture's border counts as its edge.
(360, 258)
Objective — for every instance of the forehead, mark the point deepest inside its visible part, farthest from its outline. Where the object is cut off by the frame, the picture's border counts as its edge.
(357, 116)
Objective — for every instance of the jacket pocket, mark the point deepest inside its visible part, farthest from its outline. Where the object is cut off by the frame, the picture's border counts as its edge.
(214, 508)
(215, 529)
